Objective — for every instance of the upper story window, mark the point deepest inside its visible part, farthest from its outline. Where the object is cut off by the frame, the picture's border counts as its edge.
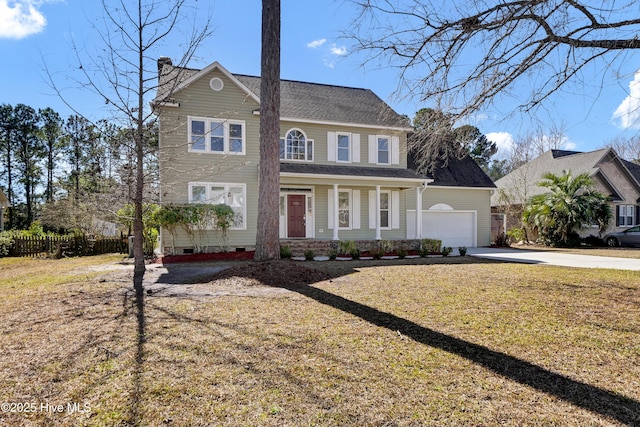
(384, 150)
(296, 146)
(343, 147)
(216, 136)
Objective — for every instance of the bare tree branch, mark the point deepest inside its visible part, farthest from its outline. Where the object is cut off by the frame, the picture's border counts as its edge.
(460, 56)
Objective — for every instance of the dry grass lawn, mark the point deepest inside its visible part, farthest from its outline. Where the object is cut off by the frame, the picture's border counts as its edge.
(439, 342)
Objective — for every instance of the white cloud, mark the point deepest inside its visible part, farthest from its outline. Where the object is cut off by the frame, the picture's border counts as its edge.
(329, 63)
(504, 142)
(20, 18)
(316, 43)
(628, 112)
(338, 51)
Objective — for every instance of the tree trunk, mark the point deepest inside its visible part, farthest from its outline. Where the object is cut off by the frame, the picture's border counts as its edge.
(9, 182)
(138, 225)
(267, 239)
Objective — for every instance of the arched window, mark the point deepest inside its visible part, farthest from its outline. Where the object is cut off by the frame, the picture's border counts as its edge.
(296, 146)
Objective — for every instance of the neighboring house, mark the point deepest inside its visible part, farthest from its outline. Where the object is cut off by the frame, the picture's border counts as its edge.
(343, 170)
(4, 203)
(613, 176)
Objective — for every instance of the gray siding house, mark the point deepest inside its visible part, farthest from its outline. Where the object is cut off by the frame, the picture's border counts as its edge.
(343, 169)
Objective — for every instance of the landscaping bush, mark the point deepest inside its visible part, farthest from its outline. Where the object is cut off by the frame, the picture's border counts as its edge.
(430, 246)
(592, 240)
(502, 240)
(309, 255)
(6, 242)
(446, 250)
(516, 235)
(462, 250)
(285, 252)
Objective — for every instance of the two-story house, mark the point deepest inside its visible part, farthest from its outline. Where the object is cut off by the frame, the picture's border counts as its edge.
(343, 170)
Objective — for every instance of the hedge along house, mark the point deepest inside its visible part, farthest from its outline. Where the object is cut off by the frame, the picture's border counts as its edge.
(343, 169)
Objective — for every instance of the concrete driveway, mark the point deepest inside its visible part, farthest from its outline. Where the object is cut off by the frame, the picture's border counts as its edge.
(555, 258)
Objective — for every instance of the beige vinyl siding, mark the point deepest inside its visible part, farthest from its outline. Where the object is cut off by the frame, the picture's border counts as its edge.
(323, 232)
(460, 199)
(318, 132)
(179, 167)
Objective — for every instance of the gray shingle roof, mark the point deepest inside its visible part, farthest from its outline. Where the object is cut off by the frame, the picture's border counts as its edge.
(456, 172)
(556, 162)
(308, 101)
(350, 171)
(327, 103)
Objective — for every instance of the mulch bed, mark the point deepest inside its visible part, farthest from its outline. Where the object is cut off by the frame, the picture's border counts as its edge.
(214, 256)
(284, 274)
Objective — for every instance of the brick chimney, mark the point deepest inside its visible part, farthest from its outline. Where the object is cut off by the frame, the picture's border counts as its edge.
(162, 61)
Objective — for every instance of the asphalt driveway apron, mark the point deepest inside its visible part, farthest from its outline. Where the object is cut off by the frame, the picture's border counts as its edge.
(555, 258)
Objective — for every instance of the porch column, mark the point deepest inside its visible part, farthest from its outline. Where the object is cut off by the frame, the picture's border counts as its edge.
(418, 213)
(336, 220)
(378, 235)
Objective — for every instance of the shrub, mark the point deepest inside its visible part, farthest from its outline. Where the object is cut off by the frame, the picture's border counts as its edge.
(6, 243)
(402, 253)
(446, 250)
(516, 235)
(592, 240)
(385, 246)
(285, 252)
(309, 255)
(346, 246)
(502, 240)
(462, 250)
(428, 246)
(376, 253)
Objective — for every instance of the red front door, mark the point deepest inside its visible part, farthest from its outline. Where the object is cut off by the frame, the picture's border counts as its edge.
(296, 215)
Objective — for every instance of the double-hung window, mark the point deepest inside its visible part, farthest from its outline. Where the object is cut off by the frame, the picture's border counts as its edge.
(233, 195)
(384, 146)
(626, 215)
(344, 147)
(207, 135)
(296, 146)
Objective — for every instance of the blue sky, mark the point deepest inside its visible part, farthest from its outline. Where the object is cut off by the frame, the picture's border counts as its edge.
(38, 34)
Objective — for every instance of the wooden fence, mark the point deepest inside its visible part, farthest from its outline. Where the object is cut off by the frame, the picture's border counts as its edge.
(66, 246)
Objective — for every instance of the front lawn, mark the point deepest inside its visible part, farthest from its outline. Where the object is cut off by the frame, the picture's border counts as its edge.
(453, 341)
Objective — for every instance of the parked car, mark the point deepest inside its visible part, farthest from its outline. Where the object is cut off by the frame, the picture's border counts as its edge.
(628, 237)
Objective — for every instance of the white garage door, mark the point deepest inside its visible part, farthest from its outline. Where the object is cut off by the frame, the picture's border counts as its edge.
(455, 229)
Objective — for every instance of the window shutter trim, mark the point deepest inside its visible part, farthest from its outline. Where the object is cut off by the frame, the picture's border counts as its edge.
(395, 150)
(372, 209)
(330, 209)
(331, 146)
(355, 209)
(373, 149)
(395, 206)
(355, 157)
